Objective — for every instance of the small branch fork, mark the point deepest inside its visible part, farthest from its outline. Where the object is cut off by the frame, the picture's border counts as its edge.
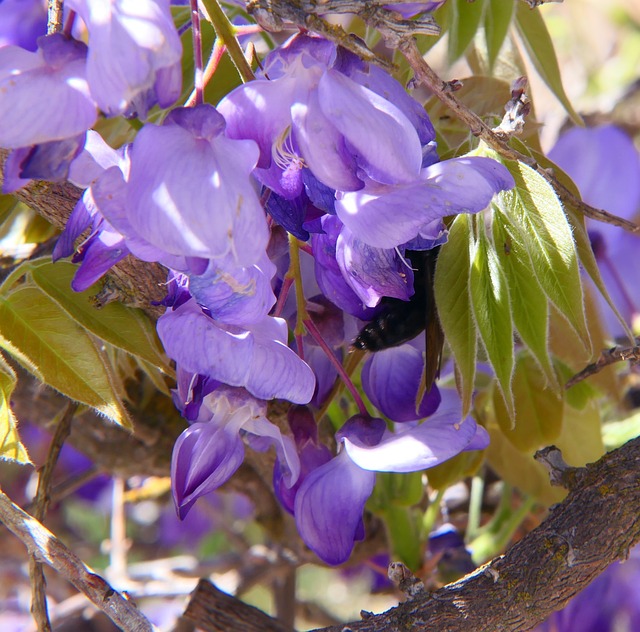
(606, 358)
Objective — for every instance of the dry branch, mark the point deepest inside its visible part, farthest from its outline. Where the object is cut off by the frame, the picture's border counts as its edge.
(46, 548)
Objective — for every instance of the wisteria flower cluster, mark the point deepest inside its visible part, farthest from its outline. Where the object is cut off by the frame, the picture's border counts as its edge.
(328, 148)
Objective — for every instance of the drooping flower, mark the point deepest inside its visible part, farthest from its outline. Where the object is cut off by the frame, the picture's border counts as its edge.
(330, 500)
(208, 453)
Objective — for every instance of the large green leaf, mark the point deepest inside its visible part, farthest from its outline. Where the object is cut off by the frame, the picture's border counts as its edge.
(539, 46)
(123, 327)
(10, 446)
(539, 410)
(465, 20)
(66, 357)
(491, 305)
(451, 288)
(497, 18)
(528, 300)
(533, 207)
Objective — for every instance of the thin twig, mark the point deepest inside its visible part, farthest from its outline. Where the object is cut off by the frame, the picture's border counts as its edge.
(426, 75)
(606, 358)
(54, 16)
(42, 500)
(41, 543)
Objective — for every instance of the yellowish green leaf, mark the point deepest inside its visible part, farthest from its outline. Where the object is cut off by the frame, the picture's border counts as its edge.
(491, 306)
(465, 20)
(123, 327)
(539, 410)
(66, 357)
(497, 18)
(539, 46)
(451, 288)
(11, 447)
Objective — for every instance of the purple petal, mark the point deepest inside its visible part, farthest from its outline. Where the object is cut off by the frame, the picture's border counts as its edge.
(51, 161)
(372, 272)
(57, 70)
(392, 153)
(194, 198)
(80, 219)
(22, 22)
(329, 506)
(128, 45)
(412, 449)
(257, 358)
(387, 217)
(604, 164)
(96, 157)
(391, 379)
(204, 457)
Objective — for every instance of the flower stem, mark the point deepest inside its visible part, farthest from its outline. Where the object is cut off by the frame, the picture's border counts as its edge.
(196, 34)
(226, 32)
(315, 334)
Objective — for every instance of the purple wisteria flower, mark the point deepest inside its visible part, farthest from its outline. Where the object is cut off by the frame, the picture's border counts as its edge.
(208, 453)
(330, 500)
(58, 70)
(134, 54)
(605, 165)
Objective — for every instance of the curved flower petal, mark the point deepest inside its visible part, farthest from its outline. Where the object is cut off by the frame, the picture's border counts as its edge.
(194, 198)
(129, 42)
(410, 449)
(57, 70)
(387, 217)
(329, 505)
(382, 138)
(256, 358)
(391, 379)
(373, 272)
(204, 457)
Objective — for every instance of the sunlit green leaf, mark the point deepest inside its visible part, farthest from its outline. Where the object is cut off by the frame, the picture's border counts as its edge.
(497, 18)
(124, 327)
(455, 469)
(529, 303)
(465, 20)
(541, 52)
(533, 207)
(451, 287)
(539, 410)
(11, 448)
(491, 307)
(66, 357)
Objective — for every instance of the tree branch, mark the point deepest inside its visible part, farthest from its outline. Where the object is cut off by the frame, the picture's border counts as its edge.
(45, 547)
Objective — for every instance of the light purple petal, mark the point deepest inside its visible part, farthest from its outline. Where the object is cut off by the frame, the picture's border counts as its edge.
(204, 457)
(329, 505)
(387, 217)
(372, 272)
(411, 449)
(96, 157)
(128, 44)
(604, 164)
(57, 70)
(103, 251)
(234, 295)
(385, 143)
(194, 198)
(257, 359)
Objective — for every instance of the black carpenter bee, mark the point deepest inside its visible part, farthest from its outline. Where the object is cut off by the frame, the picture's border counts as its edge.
(400, 321)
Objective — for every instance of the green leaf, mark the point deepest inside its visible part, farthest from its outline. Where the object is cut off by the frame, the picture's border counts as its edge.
(528, 300)
(539, 47)
(124, 327)
(491, 306)
(66, 357)
(451, 288)
(11, 448)
(539, 409)
(533, 207)
(497, 19)
(455, 469)
(465, 20)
